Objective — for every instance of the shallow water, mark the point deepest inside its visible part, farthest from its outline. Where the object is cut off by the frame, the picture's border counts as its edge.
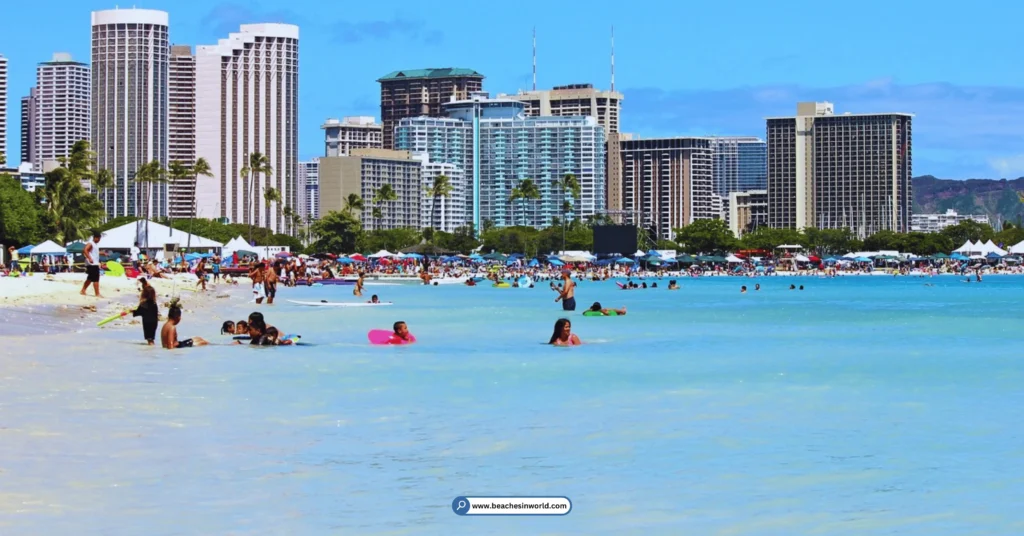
(857, 406)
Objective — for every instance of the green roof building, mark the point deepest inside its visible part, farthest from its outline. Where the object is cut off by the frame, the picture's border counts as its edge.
(422, 92)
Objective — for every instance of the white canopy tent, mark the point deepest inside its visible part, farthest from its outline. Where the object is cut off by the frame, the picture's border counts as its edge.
(733, 258)
(802, 258)
(125, 236)
(990, 247)
(381, 254)
(1019, 248)
(48, 248)
(968, 247)
(236, 244)
(639, 253)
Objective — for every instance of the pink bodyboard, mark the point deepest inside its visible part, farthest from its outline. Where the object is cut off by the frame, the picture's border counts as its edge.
(386, 336)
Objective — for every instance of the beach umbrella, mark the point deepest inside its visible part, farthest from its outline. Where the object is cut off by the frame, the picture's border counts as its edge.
(345, 260)
(413, 256)
(494, 257)
(625, 260)
(940, 256)
(357, 257)
(246, 253)
(533, 263)
(555, 262)
(476, 258)
(76, 247)
(283, 255)
(862, 259)
(669, 261)
(685, 259)
(638, 253)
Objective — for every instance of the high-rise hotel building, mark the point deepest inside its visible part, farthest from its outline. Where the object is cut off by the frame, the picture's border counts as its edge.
(247, 101)
(582, 100)
(839, 171)
(60, 113)
(3, 107)
(496, 146)
(340, 137)
(422, 92)
(667, 183)
(28, 107)
(130, 54)
(740, 164)
(181, 128)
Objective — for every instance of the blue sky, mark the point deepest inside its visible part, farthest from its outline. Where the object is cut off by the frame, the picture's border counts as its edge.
(686, 68)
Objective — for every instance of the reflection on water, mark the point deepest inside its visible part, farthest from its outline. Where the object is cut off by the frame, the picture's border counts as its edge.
(857, 406)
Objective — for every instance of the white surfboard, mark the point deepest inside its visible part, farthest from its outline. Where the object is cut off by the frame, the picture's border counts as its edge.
(338, 304)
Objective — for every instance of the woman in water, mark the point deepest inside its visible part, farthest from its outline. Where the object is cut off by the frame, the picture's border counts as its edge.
(563, 335)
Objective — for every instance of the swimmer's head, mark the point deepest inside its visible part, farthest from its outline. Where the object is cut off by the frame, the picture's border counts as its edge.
(562, 329)
(596, 306)
(401, 329)
(374, 299)
(242, 327)
(174, 313)
(272, 333)
(227, 327)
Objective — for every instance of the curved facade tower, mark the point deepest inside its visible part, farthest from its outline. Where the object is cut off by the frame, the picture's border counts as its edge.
(247, 100)
(130, 52)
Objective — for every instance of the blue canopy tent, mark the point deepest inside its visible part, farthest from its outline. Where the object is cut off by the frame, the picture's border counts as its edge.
(27, 250)
(862, 259)
(416, 256)
(669, 261)
(533, 263)
(476, 258)
(958, 257)
(556, 262)
(993, 256)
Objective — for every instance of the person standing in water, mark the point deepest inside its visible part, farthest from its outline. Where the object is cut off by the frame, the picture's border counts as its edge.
(358, 291)
(92, 264)
(256, 274)
(567, 295)
(270, 280)
(149, 312)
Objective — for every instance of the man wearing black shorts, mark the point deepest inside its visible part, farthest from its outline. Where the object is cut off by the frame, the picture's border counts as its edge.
(92, 264)
(568, 293)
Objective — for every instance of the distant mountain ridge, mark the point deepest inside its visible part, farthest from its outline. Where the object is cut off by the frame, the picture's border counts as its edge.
(996, 198)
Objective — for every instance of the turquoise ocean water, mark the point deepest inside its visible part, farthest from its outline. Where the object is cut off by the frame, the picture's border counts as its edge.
(861, 405)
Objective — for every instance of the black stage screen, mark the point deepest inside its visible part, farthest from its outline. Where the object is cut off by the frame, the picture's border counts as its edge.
(619, 239)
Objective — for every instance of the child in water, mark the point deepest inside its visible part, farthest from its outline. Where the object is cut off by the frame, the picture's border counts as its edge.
(563, 335)
(374, 299)
(241, 327)
(227, 327)
(401, 330)
(169, 333)
(149, 312)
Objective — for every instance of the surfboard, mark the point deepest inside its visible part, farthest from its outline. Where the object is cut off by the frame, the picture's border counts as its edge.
(338, 304)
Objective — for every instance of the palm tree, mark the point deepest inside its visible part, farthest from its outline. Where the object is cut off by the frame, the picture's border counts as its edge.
(73, 211)
(258, 164)
(102, 180)
(515, 195)
(528, 190)
(287, 213)
(353, 203)
(384, 194)
(146, 176)
(272, 195)
(200, 168)
(442, 187)
(296, 224)
(568, 185)
(378, 214)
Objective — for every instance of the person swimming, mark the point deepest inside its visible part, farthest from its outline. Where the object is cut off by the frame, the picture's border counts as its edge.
(227, 327)
(272, 337)
(743, 289)
(401, 330)
(672, 285)
(596, 308)
(757, 286)
(241, 327)
(563, 335)
(374, 299)
(792, 287)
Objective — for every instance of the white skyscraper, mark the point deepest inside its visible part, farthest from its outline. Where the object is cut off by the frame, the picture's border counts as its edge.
(3, 107)
(60, 109)
(247, 89)
(129, 104)
(309, 190)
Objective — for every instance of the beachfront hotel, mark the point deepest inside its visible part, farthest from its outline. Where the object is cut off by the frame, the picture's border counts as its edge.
(362, 132)
(422, 92)
(839, 171)
(247, 101)
(667, 183)
(3, 106)
(364, 172)
(28, 104)
(740, 164)
(130, 62)
(496, 146)
(58, 110)
(446, 213)
(309, 187)
(583, 100)
(181, 129)
(933, 223)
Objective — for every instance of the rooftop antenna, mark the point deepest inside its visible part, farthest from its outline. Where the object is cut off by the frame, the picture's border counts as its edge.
(535, 58)
(613, 58)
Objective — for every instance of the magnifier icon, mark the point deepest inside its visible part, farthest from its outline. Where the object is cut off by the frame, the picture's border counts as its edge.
(461, 506)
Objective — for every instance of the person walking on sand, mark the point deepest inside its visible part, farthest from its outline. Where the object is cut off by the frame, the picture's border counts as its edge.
(567, 295)
(92, 264)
